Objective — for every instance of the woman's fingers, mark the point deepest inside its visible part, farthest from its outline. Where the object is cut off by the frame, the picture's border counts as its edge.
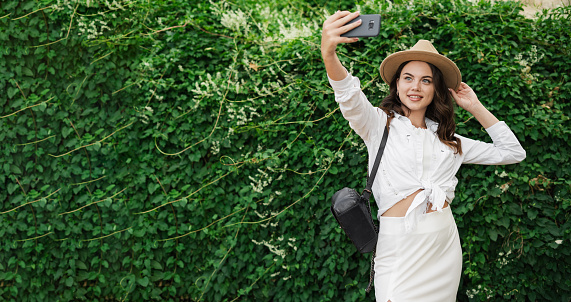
(339, 20)
(342, 25)
(345, 17)
(351, 26)
(462, 89)
(464, 86)
(454, 94)
(336, 25)
(338, 15)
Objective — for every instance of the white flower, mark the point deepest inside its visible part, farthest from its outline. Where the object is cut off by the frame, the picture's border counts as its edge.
(215, 147)
(294, 31)
(273, 248)
(236, 20)
(502, 175)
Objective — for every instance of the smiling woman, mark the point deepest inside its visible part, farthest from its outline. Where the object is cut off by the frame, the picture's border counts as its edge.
(419, 257)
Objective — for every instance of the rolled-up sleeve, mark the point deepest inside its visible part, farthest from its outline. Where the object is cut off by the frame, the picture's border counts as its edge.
(356, 108)
(504, 150)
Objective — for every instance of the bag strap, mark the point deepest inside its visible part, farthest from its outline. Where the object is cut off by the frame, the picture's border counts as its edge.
(372, 271)
(367, 192)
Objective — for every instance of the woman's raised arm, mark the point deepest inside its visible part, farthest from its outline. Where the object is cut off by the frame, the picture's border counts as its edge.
(333, 28)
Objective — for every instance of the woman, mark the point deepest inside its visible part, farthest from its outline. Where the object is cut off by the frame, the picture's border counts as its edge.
(419, 257)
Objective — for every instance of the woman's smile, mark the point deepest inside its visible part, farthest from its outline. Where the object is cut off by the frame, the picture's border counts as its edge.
(414, 97)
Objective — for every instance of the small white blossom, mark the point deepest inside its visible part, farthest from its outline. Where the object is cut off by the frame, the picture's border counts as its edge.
(502, 175)
(273, 248)
(236, 20)
(291, 243)
(215, 148)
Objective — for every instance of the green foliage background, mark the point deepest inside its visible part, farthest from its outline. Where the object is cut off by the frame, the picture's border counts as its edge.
(187, 150)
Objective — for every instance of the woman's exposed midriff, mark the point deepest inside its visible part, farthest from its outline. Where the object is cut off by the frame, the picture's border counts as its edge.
(400, 208)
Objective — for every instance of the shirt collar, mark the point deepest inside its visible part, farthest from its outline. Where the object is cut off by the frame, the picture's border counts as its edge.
(430, 124)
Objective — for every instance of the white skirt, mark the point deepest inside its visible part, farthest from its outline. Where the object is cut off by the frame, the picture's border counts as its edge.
(424, 265)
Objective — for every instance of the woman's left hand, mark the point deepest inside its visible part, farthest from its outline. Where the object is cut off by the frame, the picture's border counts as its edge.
(465, 97)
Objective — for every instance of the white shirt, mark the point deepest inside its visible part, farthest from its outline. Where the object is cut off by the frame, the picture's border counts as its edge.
(401, 171)
(427, 148)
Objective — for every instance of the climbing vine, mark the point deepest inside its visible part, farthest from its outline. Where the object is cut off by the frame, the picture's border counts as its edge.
(188, 150)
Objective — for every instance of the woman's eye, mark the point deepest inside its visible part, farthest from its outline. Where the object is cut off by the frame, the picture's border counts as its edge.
(408, 78)
(426, 81)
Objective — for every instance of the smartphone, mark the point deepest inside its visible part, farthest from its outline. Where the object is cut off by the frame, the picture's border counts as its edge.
(370, 26)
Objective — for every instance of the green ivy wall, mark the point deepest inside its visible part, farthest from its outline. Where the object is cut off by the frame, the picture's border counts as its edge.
(187, 150)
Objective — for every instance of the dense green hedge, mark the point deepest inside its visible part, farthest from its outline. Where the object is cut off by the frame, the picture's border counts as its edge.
(187, 150)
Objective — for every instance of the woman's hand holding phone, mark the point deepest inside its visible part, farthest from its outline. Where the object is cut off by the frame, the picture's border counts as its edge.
(333, 28)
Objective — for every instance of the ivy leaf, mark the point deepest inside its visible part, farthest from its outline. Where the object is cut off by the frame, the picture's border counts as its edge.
(139, 233)
(14, 169)
(515, 209)
(143, 281)
(532, 214)
(493, 234)
(156, 265)
(96, 146)
(27, 71)
(12, 92)
(28, 6)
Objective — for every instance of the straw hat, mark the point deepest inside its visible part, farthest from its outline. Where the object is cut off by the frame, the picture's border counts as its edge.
(422, 51)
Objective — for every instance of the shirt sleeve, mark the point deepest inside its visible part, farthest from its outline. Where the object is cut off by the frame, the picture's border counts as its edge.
(365, 119)
(504, 150)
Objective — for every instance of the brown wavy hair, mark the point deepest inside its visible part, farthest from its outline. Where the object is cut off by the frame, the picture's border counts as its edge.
(441, 110)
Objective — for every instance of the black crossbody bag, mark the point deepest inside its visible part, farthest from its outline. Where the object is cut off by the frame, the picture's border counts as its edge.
(353, 212)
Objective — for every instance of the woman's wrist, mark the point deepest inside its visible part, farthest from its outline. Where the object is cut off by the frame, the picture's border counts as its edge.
(328, 51)
(335, 69)
(328, 56)
(484, 116)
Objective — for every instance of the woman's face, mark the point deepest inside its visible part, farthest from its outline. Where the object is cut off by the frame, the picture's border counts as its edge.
(415, 86)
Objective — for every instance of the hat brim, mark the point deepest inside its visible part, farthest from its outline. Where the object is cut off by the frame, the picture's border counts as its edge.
(451, 73)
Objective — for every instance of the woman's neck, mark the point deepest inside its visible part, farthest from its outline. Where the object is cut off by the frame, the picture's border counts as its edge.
(416, 118)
